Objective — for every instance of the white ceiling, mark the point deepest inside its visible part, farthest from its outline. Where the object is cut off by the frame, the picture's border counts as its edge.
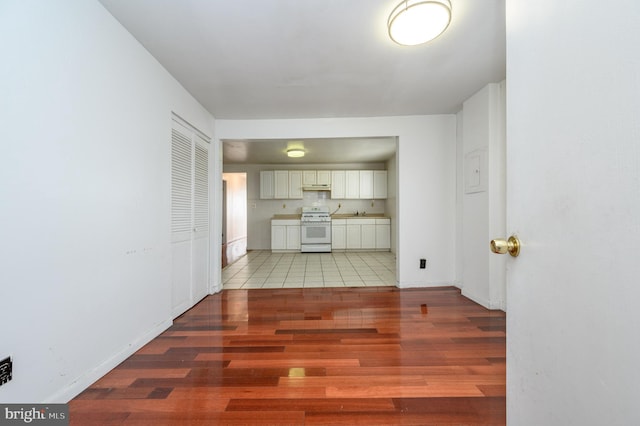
(317, 151)
(263, 59)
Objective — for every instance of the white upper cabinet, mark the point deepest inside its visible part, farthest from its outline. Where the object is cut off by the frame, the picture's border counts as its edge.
(281, 184)
(380, 184)
(337, 184)
(352, 184)
(266, 184)
(366, 184)
(309, 177)
(323, 177)
(316, 177)
(345, 184)
(295, 184)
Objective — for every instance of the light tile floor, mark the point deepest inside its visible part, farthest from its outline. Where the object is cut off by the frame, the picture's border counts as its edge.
(263, 269)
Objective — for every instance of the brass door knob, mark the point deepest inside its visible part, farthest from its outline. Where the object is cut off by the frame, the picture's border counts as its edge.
(511, 246)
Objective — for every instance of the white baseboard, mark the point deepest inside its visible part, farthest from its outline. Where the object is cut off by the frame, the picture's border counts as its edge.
(475, 298)
(413, 284)
(87, 379)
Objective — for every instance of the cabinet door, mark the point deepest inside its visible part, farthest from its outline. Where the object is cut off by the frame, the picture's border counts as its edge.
(281, 184)
(352, 184)
(293, 237)
(366, 184)
(379, 184)
(383, 236)
(338, 237)
(308, 177)
(278, 237)
(337, 184)
(368, 236)
(266, 184)
(295, 184)
(323, 177)
(353, 237)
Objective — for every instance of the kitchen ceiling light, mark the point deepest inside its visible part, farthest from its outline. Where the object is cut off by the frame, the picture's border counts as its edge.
(418, 21)
(295, 152)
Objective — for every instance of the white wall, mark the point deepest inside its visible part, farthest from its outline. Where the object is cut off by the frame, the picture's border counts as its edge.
(426, 181)
(482, 216)
(391, 203)
(85, 190)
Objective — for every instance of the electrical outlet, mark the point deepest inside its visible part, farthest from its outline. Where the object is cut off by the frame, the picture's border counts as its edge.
(423, 263)
(6, 370)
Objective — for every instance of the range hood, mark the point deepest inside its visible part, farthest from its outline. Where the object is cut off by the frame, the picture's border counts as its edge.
(317, 187)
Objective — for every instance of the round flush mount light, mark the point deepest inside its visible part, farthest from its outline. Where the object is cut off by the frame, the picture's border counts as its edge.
(415, 22)
(295, 152)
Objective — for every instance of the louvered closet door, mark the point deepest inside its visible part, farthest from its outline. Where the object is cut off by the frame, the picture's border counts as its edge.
(189, 217)
(200, 220)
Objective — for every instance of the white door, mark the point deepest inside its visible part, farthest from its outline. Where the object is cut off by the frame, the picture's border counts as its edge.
(573, 198)
(200, 249)
(181, 217)
(189, 217)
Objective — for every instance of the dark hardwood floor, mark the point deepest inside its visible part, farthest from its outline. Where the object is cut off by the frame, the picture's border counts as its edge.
(323, 356)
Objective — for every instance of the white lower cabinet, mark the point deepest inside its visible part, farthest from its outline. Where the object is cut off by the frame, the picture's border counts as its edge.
(285, 235)
(353, 236)
(338, 234)
(346, 234)
(362, 234)
(278, 237)
(383, 234)
(368, 235)
(293, 237)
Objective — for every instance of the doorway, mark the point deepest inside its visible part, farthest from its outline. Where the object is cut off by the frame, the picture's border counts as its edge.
(234, 217)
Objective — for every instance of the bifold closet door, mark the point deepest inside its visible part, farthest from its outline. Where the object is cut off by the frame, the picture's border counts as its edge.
(200, 240)
(189, 217)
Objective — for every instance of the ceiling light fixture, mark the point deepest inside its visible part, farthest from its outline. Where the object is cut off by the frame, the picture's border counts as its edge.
(418, 21)
(295, 152)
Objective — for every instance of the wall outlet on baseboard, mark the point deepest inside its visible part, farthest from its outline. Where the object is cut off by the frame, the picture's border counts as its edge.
(423, 263)
(6, 370)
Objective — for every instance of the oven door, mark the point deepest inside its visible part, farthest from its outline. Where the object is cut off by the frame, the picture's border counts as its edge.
(315, 233)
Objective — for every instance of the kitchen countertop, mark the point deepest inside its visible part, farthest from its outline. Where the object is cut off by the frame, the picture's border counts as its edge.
(353, 216)
(335, 216)
(286, 217)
